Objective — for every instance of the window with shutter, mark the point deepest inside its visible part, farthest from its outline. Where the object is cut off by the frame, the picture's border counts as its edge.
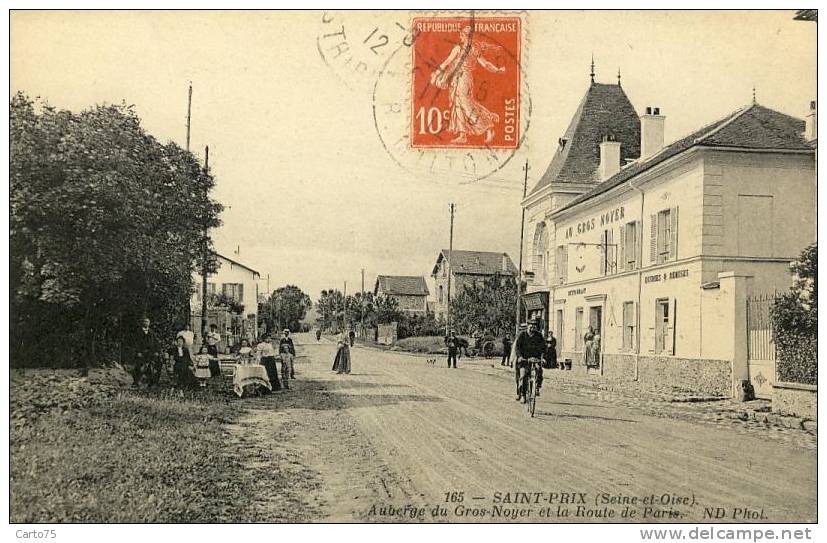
(578, 329)
(225, 289)
(653, 240)
(563, 264)
(673, 231)
(604, 252)
(629, 245)
(638, 252)
(629, 323)
(611, 251)
(672, 331)
(662, 326)
(240, 292)
(621, 263)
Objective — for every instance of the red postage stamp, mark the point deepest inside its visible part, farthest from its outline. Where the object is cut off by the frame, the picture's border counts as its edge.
(466, 82)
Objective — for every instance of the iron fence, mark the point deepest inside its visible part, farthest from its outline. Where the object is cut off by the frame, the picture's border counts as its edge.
(760, 344)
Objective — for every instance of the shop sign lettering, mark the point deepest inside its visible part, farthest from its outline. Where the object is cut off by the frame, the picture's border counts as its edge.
(665, 276)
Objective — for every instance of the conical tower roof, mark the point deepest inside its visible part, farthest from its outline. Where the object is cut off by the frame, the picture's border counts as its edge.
(605, 110)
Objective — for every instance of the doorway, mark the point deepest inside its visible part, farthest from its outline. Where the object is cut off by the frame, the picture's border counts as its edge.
(596, 322)
(559, 331)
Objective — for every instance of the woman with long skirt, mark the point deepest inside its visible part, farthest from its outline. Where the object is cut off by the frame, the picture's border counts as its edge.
(341, 364)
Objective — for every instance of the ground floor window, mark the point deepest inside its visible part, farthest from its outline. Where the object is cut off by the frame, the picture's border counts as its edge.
(664, 326)
(578, 329)
(629, 323)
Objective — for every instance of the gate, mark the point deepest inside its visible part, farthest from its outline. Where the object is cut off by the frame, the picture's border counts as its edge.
(760, 345)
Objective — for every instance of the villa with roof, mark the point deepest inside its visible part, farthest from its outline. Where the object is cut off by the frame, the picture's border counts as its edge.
(657, 247)
(461, 268)
(409, 291)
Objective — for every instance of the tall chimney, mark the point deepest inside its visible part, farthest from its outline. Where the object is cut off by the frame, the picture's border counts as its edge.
(651, 132)
(609, 157)
(811, 123)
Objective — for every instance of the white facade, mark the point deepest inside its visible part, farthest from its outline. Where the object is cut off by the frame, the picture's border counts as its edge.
(661, 264)
(236, 281)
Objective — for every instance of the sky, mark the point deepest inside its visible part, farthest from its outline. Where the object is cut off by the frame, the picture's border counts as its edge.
(311, 195)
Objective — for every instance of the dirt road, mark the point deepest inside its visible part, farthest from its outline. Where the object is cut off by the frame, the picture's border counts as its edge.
(402, 440)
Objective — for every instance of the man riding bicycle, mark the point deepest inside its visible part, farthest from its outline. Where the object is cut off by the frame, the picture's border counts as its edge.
(530, 344)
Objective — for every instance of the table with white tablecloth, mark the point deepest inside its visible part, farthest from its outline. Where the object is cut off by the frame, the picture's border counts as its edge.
(250, 374)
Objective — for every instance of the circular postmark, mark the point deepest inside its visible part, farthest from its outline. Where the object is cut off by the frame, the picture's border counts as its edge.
(454, 105)
(355, 45)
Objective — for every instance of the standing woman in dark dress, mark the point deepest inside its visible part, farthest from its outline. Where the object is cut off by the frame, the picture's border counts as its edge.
(341, 364)
(182, 365)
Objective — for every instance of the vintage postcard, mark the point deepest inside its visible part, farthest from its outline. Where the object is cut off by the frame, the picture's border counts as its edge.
(426, 266)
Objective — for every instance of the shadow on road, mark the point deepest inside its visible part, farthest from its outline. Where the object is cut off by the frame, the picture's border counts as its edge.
(327, 394)
(581, 404)
(549, 414)
(346, 382)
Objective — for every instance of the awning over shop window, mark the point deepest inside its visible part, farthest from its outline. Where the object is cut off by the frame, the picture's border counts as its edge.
(535, 301)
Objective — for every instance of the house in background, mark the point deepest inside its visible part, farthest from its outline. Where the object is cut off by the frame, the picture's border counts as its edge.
(411, 292)
(466, 268)
(238, 284)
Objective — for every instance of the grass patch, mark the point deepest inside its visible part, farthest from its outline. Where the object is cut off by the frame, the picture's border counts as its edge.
(154, 456)
(140, 457)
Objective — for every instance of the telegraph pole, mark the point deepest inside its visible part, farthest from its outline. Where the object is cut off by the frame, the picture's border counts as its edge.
(189, 115)
(520, 270)
(450, 258)
(206, 254)
(362, 307)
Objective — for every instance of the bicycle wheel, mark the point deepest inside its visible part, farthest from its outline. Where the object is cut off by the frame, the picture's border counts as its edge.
(529, 395)
(532, 403)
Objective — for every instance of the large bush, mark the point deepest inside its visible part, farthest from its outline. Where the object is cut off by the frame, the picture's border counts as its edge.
(489, 307)
(411, 325)
(427, 344)
(795, 323)
(106, 225)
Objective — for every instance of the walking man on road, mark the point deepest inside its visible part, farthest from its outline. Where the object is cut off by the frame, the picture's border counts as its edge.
(529, 344)
(506, 349)
(288, 356)
(453, 347)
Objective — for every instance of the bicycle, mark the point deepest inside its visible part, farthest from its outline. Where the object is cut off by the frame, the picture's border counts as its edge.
(530, 388)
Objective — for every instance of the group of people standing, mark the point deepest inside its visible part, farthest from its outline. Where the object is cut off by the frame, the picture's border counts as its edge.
(146, 358)
(267, 355)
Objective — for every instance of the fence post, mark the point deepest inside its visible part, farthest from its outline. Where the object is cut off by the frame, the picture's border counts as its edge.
(736, 290)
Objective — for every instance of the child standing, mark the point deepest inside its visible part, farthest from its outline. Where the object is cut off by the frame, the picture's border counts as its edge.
(202, 366)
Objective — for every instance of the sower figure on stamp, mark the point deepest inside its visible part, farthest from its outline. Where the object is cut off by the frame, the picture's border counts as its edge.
(529, 344)
(456, 73)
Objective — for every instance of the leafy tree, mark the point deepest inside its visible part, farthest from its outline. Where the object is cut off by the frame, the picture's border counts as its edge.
(795, 322)
(487, 307)
(329, 308)
(412, 325)
(386, 309)
(106, 225)
(285, 308)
